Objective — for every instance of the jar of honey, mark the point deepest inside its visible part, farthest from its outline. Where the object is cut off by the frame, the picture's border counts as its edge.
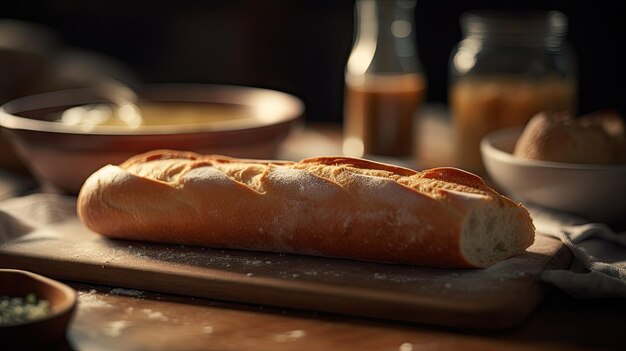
(384, 83)
(507, 68)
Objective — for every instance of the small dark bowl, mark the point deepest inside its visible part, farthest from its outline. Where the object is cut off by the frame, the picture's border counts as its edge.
(49, 329)
(62, 156)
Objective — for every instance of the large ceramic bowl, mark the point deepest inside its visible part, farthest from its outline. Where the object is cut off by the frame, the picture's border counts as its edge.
(594, 191)
(237, 121)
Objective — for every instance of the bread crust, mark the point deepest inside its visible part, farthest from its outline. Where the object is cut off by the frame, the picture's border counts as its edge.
(326, 206)
(597, 138)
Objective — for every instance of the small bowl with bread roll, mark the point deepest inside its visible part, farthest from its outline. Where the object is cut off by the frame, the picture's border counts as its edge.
(65, 136)
(571, 164)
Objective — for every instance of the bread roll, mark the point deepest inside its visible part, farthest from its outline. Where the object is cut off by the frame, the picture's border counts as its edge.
(597, 138)
(325, 206)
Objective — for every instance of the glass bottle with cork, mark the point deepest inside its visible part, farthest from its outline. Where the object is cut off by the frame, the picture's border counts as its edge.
(507, 68)
(384, 83)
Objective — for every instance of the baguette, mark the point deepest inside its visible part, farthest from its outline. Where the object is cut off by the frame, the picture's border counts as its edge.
(325, 206)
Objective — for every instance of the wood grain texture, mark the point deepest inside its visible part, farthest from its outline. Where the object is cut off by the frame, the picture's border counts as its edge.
(494, 298)
(115, 319)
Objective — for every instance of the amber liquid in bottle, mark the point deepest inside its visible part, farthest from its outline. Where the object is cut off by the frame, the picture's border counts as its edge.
(380, 112)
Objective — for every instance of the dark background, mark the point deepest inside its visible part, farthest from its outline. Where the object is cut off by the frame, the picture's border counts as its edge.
(301, 47)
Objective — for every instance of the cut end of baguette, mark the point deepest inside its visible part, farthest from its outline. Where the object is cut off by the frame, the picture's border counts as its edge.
(491, 234)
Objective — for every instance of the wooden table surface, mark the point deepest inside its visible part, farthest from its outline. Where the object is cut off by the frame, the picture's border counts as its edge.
(111, 318)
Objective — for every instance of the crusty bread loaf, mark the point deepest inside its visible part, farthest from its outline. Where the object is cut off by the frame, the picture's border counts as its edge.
(326, 206)
(597, 138)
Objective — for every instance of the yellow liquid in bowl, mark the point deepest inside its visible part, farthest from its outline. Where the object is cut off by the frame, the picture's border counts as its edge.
(155, 114)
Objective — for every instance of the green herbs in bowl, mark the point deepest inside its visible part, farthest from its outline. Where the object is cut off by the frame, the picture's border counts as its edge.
(18, 310)
(34, 310)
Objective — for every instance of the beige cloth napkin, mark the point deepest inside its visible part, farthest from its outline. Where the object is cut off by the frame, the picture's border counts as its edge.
(21, 215)
(599, 268)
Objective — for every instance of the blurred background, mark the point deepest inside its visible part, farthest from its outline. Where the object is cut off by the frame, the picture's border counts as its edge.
(299, 47)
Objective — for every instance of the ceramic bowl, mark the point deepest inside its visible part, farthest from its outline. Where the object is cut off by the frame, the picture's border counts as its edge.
(252, 123)
(49, 329)
(594, 191)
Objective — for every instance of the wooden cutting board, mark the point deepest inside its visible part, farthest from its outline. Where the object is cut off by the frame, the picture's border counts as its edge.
(494, 298)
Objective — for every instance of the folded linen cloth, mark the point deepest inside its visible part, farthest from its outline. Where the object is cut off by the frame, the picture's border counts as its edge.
(23, 214)
(599, 267)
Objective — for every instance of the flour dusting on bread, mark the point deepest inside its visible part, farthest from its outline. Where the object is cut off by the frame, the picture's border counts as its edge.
(328, 206)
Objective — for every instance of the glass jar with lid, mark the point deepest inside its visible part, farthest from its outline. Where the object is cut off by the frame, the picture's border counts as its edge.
(384, 83)
(507, 68)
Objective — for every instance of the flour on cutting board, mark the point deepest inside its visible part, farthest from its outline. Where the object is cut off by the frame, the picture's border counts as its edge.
(106, 253)
(254, 264)
(127, 292)
(179, 254)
